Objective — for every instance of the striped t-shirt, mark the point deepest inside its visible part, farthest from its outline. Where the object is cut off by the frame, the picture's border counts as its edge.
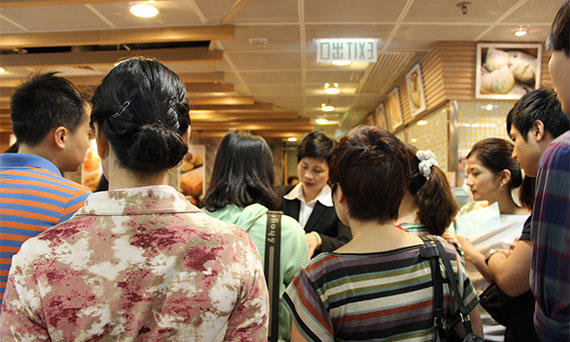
(33, 197)
(384, 296)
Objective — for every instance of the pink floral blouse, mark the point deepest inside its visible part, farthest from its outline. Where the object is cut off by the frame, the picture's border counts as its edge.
(138, 264)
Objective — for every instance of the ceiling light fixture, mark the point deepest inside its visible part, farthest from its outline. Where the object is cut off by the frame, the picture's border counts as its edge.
(341, 62)
(332, 90)
(520, 32)
(144, 10)
(322, 121)
(2, 70)
(422, 123)
(292, 139)
(327, 107)
(413, 140)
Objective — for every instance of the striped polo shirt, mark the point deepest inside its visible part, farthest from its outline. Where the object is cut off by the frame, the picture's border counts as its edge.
(384, 296)
(33, 197)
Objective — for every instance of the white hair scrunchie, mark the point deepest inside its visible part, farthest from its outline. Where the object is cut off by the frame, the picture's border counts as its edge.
(427, 160)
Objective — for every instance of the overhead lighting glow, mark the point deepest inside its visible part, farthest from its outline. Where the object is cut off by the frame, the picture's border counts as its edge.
(422, 123)
(341, 63)
(489, 107)
(520, 32)
(327, 107)
(2, 70)
(292, 139)
(332, 90)
(144, 10)
(413, 140)
(322, 121)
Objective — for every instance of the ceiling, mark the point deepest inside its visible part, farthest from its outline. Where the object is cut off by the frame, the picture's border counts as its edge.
(275, 89)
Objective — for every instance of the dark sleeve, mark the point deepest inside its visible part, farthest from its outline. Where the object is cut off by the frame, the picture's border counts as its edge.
(525, 236)
(330, 243)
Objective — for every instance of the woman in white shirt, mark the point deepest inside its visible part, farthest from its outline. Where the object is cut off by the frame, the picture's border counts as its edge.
(491, 176)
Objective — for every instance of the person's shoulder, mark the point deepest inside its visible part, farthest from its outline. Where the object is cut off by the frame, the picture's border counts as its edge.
(289, 223)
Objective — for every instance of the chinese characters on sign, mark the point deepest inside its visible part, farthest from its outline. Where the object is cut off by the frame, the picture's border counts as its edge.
(354, 50)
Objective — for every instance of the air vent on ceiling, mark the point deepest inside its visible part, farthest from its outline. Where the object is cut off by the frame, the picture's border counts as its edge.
(385, 72)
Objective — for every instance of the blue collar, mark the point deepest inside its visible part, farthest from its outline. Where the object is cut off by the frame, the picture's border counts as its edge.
(27, 160)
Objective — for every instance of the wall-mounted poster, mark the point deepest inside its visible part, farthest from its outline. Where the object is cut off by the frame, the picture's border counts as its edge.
(393, 109)
(416, 94)
(507, 71)
(380, 116)
(193, 173)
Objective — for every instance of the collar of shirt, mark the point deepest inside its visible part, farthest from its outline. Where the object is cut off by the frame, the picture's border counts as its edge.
(324, 196)
(27, 160)
(135, 201)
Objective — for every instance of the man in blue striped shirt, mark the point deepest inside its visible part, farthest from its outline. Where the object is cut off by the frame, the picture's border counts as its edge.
(51, 122)
(550, 231)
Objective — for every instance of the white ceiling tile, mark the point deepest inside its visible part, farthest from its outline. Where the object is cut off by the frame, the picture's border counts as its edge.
(352, 10)
(272, 77)
(480, 11)
(348, 76)
(214, 10)
(284, 37)
(277, 90)
(345, 31)
(266, 60)
(504, 33)
(535, 11)
(54, 18)
(264, 11)
(171, 13)
(425, 36)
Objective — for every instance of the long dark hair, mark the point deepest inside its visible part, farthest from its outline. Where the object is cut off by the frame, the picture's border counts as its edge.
(432, 195)
(243, 173)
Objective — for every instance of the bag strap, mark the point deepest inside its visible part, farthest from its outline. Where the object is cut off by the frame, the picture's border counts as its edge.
(271, 269)
(430, 252)
(453, 284)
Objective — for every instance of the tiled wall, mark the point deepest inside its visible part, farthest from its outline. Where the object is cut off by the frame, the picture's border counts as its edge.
(478, 120)
(432, 136)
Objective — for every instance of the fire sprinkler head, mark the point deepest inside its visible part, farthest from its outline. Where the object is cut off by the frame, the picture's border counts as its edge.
(464, 6)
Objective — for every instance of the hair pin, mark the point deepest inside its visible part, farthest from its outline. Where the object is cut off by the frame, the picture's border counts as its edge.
(124, 107)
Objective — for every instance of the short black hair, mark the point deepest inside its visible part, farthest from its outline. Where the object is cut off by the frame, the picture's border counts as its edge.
(316, 145)
(243, 173)
(141, 108)
(540, 104)
(371, 167)
(42, 103)
(559, 36)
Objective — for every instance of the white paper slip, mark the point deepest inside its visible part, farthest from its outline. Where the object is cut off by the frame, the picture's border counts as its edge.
(478, 222)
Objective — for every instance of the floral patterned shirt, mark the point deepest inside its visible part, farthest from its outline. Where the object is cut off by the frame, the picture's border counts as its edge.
(138, 264)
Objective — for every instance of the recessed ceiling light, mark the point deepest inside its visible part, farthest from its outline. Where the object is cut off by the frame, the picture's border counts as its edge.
(414, 140)
(327, 107)
(341, 62)
(2, 70)
(489, 107)
(322, 121)
(520, 32)
(332, 90)
(292, 139)
(144, 10)
(422, 123)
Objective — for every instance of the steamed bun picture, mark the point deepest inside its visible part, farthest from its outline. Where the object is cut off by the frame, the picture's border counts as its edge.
(509, 71)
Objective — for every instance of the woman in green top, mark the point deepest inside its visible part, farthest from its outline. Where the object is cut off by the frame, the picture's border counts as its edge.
(241, 192)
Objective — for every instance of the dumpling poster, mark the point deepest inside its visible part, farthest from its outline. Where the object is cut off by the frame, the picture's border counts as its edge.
(507, 71)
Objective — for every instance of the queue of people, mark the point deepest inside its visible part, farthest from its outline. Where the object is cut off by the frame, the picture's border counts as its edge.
(365, 250)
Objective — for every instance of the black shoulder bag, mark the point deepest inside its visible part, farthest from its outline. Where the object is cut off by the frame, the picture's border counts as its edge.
(455, 327)
(271, 269)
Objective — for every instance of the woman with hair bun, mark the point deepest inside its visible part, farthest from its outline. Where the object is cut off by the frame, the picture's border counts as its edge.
(138, 262)
(492, 174)
(428, 206)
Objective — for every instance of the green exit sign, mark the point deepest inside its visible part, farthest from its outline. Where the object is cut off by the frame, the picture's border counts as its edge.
(354, 50)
